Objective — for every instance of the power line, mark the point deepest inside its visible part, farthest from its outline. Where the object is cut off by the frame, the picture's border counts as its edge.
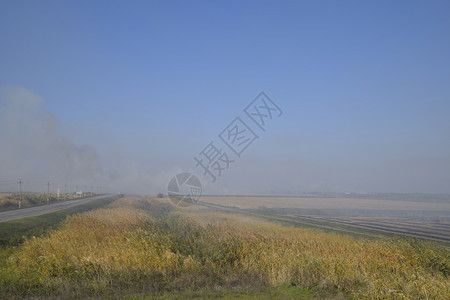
(8, 181)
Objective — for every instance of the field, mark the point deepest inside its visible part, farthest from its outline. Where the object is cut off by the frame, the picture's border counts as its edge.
(423, 218)
(136, 247)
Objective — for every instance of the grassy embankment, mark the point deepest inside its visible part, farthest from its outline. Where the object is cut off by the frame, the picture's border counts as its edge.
(14, 232)
(145, 247)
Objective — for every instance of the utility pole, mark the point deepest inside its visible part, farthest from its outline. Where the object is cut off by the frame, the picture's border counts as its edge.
(48, 192)
(20, 192)
(65, 191)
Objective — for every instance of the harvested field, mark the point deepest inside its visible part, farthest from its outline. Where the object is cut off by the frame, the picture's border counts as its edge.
(427, 218)
(246, 202)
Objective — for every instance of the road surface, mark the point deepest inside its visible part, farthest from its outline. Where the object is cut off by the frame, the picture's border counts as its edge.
(44, 209)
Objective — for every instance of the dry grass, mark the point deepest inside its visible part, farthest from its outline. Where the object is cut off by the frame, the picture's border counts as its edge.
(399, 269)
(9, 201)
(139, 246)
(417, 217)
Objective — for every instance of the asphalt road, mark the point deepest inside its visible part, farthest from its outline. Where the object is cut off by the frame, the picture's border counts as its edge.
(44, 209)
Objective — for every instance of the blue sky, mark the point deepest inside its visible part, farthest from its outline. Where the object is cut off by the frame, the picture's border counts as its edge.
(364, 86)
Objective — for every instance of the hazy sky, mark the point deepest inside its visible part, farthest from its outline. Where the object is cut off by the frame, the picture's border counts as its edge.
(123, 94)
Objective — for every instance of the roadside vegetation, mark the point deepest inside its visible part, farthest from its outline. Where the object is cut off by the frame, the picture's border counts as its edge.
(145, 247)
(11, 201)
(15, 232)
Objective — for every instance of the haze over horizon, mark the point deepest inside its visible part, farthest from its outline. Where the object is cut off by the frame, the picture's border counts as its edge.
(121, 96)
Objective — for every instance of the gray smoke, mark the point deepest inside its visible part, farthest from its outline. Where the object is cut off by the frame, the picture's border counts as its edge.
(33, 147)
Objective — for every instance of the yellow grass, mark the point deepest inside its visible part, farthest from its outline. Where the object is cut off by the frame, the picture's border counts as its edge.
(127, 249)
(9, 201)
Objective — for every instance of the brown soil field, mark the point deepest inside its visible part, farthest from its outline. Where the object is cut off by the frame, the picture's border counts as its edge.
(247, 202)
(423, 219)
